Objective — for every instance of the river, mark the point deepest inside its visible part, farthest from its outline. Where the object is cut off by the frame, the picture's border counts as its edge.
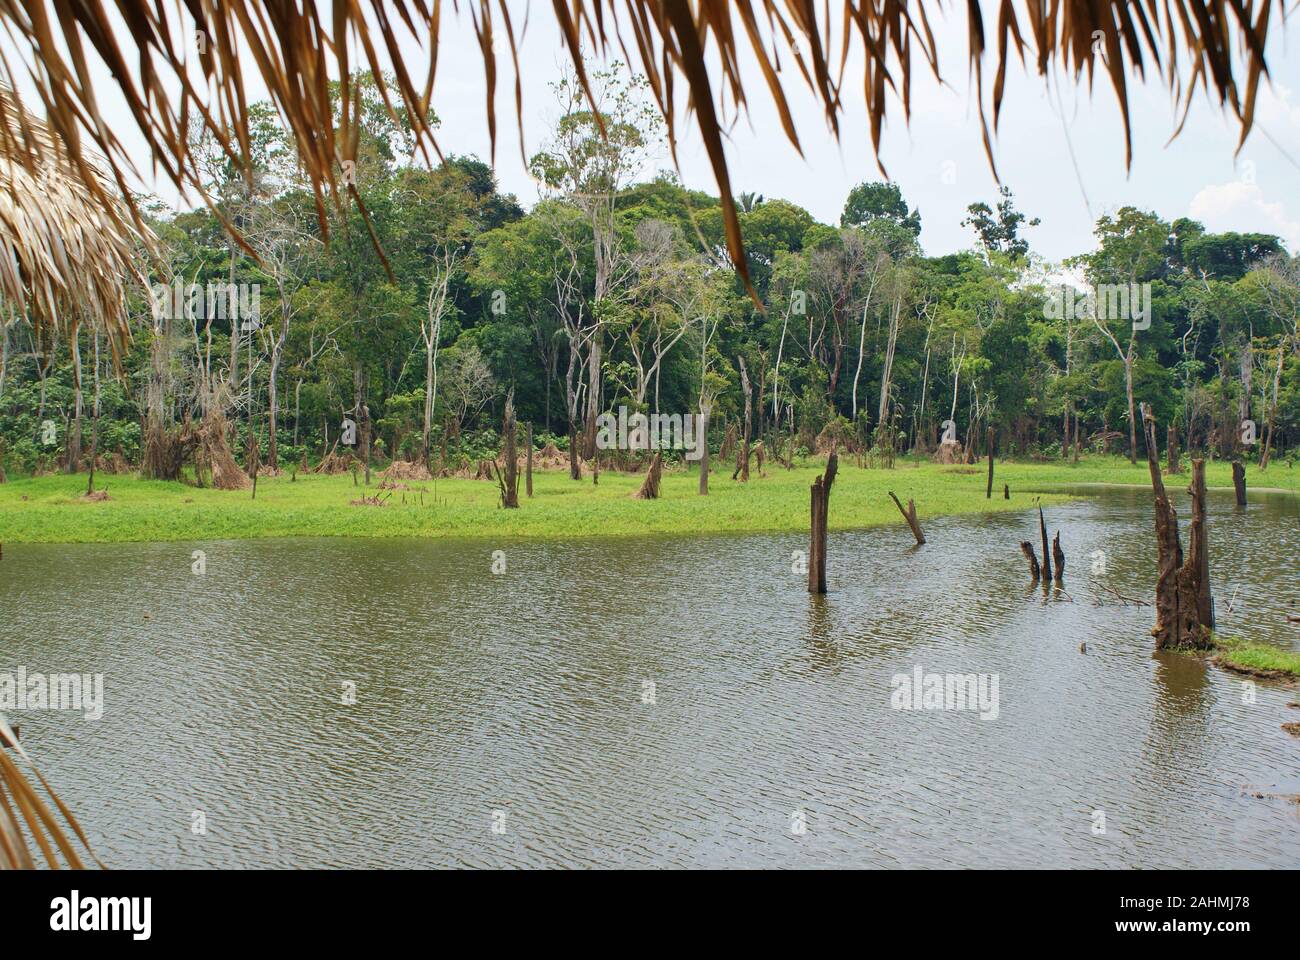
(662, 702)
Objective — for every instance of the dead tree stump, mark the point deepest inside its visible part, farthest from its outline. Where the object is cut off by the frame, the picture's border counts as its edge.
(650, 485)
(1006, 491)
(1058, 557)
(1239, 482)
(1171, 451)
(1047, 561)
(1184, 607)
(910, 516)
(1027, 549)
(821, 495)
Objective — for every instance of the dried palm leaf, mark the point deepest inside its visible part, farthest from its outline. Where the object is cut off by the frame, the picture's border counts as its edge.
(67, 252)
(22, 807)
(187, 62)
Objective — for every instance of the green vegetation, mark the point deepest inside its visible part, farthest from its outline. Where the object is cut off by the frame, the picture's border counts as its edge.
(51, 508)
(1251, 656)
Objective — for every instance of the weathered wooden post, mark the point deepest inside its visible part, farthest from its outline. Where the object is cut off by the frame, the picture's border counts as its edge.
(821, 494)
(988, 493)
(528, 470)
(1239, 482)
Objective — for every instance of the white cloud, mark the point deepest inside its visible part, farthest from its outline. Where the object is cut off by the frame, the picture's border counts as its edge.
(1242, 207)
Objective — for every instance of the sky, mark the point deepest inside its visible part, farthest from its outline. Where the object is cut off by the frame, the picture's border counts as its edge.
(1059, 148)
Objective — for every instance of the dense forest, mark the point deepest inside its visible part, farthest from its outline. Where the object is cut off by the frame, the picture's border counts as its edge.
(414, 307)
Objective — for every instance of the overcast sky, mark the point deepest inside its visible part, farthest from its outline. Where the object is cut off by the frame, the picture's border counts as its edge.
(938, 160)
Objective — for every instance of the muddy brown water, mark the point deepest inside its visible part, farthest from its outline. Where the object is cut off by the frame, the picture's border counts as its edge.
(667, 701)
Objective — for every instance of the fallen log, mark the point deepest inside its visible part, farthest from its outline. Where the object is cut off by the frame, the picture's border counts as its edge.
(910, 516)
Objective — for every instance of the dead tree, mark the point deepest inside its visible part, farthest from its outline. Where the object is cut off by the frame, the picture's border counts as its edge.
(1171, 452)
(509, 478)
(821, 495)
(1027, 549)
(1184, 607)
(988, 493)
(910, 516)
(1239, 482)
(1058, 558)
(650, 485)
(528, 470)
(742, 459)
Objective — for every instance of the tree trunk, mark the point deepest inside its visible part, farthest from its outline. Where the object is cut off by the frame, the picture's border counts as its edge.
(703, 427)
(821, 493)
(1171, 450)
(988, 493)
(1184, 606)
(1239, 482)
(528, 469)
(1058, 558)
(510, 480)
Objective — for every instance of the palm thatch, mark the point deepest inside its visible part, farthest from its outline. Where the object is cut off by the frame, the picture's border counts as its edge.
(67, 251)
(174, 68)
(33, 814)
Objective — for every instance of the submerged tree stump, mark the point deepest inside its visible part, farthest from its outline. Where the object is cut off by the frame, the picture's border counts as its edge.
(1027, 549)
(1047, 561)
(650, 485)
(821, 494)
(910, 516)
(1184, 606)
(1239, 482)
(1058, 557)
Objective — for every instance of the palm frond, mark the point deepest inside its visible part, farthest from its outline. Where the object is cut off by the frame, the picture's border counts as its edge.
(21, 806)
(68, 245)
(174, 67)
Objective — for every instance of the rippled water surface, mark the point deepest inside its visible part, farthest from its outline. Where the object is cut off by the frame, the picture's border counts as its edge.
(519, 700)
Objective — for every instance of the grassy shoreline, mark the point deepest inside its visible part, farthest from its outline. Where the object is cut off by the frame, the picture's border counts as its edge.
(51, 509)
(1256, 659)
